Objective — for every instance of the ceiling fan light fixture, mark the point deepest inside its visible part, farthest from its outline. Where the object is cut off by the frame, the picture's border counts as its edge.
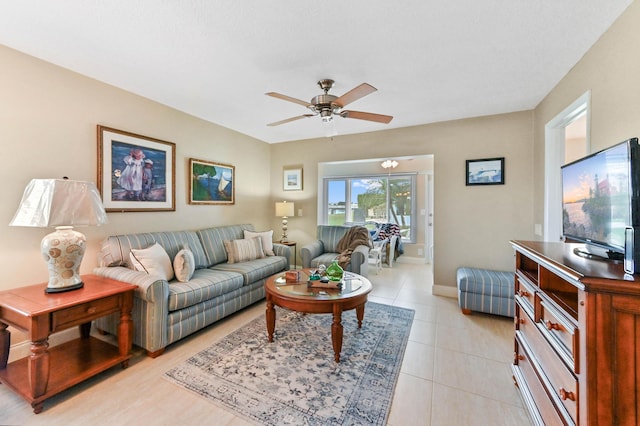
(389, 164)
(327, 105)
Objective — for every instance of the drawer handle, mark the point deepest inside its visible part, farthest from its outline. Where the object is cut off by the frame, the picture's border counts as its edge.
(523, 293)
(553, 326)
(565, 394)
(92, 310)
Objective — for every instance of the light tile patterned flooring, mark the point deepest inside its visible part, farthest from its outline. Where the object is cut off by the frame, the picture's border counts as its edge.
(456, 371)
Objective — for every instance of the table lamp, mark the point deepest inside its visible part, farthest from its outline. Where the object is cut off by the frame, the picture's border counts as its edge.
(284, 210)
(62, 204)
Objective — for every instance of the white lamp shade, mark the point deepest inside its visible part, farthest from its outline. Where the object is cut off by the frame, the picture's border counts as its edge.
(284, 209)
(60, 202)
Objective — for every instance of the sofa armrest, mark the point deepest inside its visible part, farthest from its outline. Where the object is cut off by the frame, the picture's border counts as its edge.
(281, 250)
(150, 308)
(150, 288)
(311, 251)
(360, 260)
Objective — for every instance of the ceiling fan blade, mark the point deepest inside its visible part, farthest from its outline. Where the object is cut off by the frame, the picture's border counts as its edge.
(289, 98)
(369, 116)
(288, 120)
(354, 94)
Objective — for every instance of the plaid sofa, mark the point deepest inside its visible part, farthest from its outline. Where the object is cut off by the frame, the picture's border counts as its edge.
(324, 250)
(165, 312)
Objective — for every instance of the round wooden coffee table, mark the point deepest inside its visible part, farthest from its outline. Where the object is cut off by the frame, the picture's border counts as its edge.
(301, 297)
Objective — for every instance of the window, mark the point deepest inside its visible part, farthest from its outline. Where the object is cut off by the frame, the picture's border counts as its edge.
(382, 199)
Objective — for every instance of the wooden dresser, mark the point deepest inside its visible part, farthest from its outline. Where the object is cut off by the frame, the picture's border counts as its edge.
(577, 328)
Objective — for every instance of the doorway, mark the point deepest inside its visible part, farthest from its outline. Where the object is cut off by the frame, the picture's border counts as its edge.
(566, 140)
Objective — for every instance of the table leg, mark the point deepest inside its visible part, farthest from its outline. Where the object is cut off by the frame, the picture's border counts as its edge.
(5, 343)
(271, 319)
(38, 368)
(85, 330)
(125, 328)
(336, 331)
(360, 314)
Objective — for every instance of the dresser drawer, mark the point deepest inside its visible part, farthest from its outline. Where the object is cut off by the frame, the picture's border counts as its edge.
(561, 332)
(560, 383)
(534, 393)
(84, 313)
(525, 293)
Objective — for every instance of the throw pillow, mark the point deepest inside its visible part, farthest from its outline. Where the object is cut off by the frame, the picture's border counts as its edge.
(267, 240)
(243, 250)
(184, 265)
(153, 260)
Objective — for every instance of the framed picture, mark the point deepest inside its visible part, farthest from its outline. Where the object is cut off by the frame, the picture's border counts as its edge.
(487, 171)
(292, 179)
(135, 173)
(211, 183)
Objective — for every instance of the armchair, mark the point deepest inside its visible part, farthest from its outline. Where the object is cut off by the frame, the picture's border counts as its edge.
(324, 250)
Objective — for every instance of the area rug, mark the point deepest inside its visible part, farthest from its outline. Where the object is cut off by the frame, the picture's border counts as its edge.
(295, 380)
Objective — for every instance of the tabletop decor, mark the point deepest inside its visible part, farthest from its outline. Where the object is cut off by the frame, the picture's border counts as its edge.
(211, 182)
(296, 380)
(135, 173)
(61, 204)
(285, 210)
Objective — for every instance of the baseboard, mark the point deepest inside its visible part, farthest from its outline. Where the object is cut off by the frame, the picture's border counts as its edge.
(413, 260)
(445, 290)
(22, 349)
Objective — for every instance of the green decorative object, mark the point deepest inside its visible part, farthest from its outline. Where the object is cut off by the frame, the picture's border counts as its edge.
(334, 271)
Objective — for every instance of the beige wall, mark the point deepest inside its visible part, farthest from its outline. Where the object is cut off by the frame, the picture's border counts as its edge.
(48, 119)
(473, 225)
(611, 71)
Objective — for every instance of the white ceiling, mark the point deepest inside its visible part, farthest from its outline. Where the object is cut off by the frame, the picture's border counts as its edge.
(431, 60)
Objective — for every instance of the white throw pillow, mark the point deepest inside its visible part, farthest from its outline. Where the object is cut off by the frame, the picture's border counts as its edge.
(153, 260)
(267, 240)
(184, 265)
(243, 250)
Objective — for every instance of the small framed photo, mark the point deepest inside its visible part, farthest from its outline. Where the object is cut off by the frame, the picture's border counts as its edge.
(486, 171)
(211, 183)
(292, 179)
(135, 173)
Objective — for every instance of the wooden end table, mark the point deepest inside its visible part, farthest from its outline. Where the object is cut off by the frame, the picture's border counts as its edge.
(300, 297)
(293, 244)
(48, 371)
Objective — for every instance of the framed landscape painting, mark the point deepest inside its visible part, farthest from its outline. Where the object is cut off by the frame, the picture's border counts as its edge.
(211, 183)
(135, 173)
(292, 179)
(487, 171)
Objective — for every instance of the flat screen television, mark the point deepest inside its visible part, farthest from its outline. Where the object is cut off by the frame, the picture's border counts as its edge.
(601, 199)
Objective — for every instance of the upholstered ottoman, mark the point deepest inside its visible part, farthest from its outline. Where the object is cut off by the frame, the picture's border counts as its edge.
(487, 291)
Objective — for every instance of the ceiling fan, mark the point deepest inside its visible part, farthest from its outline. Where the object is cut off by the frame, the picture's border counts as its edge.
(327, 105)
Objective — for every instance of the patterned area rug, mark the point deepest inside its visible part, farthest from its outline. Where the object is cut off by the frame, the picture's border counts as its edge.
(294, 380)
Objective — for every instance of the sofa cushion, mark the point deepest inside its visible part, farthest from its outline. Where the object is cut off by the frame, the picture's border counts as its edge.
(204, 285)
(255, 270)
(184, 265)
(153, 260)
(212, 240)
(243, 250)
(267, 240)
(115, 249)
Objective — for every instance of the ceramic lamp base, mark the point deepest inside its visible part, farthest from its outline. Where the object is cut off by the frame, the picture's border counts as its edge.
(63, 251)
(61, 289)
